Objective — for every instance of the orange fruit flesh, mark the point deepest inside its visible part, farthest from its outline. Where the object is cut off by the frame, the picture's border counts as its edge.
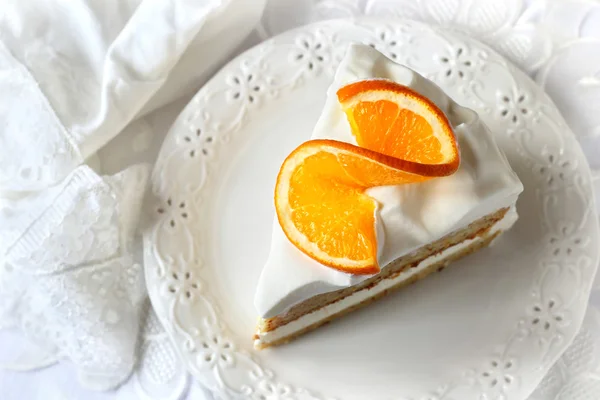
(320, 196)
(422, 147)
(328, 203)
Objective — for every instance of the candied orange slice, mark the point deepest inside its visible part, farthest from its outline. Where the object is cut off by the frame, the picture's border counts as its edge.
(320, 194)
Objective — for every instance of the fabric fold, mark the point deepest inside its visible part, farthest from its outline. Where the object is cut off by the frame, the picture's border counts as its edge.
(82, 74)
(72, 279)
(73, 75)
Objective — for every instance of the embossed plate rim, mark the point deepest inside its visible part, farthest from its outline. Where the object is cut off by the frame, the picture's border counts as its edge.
(311, 52)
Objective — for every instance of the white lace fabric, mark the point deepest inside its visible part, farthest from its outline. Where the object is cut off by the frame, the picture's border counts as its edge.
(24, 112)
(70, 282)
(73, 75)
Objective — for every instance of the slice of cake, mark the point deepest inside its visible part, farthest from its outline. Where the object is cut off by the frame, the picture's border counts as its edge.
(398, 181)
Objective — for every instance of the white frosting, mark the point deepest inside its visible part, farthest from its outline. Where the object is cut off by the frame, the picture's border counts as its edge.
(409, 216)
(357, 297)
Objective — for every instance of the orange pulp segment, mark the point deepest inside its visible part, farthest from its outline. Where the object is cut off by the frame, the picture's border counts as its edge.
(397, 121)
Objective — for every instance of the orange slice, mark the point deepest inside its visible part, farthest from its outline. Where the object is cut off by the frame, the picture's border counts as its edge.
(320, 194)
(395, 120)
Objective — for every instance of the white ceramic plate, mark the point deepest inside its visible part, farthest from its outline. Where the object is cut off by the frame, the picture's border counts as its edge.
(488, 328)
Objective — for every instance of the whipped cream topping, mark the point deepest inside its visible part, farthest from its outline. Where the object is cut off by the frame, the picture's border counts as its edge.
(409, 216)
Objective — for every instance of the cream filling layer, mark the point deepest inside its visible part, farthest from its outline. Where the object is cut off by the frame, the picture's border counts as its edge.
(356, 298)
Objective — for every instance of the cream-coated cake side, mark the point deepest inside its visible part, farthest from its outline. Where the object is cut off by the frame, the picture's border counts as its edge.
(362, 295)
(409, 216)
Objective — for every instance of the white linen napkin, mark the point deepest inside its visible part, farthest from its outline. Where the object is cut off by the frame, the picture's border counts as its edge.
(73, 75)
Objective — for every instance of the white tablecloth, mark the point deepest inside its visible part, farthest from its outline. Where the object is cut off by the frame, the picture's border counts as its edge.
(557, 42)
